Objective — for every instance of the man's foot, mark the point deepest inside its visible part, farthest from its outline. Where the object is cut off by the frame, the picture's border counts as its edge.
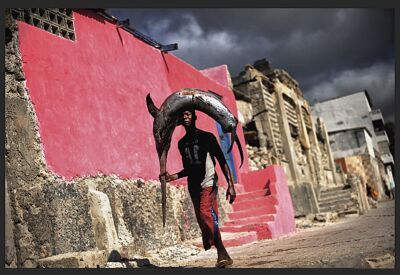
(224, 263)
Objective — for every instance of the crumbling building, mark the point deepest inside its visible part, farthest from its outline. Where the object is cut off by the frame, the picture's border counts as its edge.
(282, 130)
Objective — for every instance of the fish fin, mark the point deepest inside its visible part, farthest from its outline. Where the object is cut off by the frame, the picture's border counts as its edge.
(236, 138)
(240, 150)
(232, 141)
(153, 110)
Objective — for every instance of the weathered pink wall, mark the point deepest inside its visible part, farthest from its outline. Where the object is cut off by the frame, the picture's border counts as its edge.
(89, 98)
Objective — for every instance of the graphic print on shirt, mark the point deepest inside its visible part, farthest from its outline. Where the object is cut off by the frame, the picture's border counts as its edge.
(192, 155)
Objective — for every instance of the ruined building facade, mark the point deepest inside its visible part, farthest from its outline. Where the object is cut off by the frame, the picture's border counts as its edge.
(283, 130)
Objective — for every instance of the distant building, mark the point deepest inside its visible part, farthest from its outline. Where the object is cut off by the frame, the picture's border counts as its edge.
(355, 130)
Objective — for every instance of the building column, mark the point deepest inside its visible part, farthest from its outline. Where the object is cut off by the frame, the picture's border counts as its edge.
(260, 113)
(328, 149)
(286, 137)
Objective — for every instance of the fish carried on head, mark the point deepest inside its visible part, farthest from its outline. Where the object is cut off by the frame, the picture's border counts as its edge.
(166, 118)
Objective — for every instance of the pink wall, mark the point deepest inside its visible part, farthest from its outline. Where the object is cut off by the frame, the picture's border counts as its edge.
(89, 98)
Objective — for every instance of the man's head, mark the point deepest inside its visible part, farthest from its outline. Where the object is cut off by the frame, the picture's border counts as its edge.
(188, 117)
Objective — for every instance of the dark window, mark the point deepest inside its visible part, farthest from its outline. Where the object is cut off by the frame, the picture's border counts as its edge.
(378, 125)
(251, 134)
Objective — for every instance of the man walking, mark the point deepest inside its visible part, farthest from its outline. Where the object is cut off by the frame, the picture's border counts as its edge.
(199, 150)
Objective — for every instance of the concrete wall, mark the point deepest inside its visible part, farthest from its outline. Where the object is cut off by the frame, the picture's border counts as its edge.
(347, 112)
(351, 143)
(89, 98)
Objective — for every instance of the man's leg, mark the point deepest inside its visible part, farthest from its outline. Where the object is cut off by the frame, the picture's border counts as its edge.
(209, 217)
(195, 196)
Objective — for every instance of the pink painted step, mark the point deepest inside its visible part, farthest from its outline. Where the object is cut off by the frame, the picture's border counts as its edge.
(262, 210)
(252, 195)
(239, 188)
(250, 220)
(231, 239)
(239, 239)
(261, 228)
(267, 202)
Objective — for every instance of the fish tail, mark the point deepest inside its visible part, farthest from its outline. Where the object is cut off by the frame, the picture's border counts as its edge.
(153, 110)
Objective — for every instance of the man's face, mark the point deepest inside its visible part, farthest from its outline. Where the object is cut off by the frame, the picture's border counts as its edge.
(187, 118)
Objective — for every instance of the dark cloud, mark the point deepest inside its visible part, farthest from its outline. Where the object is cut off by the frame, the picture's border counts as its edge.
(332, 51)
(379, 79)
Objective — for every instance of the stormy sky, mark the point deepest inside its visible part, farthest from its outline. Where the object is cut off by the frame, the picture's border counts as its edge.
(330, 52)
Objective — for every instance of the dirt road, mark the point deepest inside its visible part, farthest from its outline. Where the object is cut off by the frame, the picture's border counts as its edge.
(346, 244)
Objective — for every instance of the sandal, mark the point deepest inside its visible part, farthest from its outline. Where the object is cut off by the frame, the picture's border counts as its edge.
(224, 263)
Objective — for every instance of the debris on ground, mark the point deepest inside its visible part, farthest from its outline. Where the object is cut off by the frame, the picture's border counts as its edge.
(385, 261)
(316, 220)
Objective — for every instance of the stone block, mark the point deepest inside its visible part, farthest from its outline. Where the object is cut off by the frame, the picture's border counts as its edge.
(87, 259)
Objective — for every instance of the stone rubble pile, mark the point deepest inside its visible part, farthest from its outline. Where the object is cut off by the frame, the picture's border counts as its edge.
(316, 220)
(171, 256)
(258, 157)
(385, 261)
(372, 203)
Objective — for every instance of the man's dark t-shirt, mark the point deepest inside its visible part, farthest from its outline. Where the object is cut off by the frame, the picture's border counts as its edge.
(198, 153)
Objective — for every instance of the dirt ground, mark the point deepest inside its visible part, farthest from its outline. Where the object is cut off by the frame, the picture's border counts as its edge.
(366, 241)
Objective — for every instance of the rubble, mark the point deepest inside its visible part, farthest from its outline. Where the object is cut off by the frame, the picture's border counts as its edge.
(173, 255)
(258, 157)
(316, 220)
(326, 217)
(372, 203)
(87, 259)
(385, 261)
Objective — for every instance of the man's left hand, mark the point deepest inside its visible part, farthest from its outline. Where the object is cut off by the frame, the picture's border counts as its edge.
(231, 193)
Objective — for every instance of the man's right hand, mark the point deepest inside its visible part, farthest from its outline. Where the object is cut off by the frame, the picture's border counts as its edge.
(169, 177)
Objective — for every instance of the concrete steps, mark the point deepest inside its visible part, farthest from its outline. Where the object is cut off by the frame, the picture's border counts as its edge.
(337, 199)
(260, 228)
(266, 202)
(332, 189)
(255, 214)
(335, 208)
(252, 195)
(248, 220)
(334, 197)
(333, 194)
(252, 214)
(344, 200)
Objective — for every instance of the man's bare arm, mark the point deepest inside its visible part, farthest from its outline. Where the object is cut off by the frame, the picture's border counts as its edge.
(230, 192)
(175, 176)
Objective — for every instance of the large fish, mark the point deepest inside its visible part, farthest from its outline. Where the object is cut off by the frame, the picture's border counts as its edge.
(166, 118)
